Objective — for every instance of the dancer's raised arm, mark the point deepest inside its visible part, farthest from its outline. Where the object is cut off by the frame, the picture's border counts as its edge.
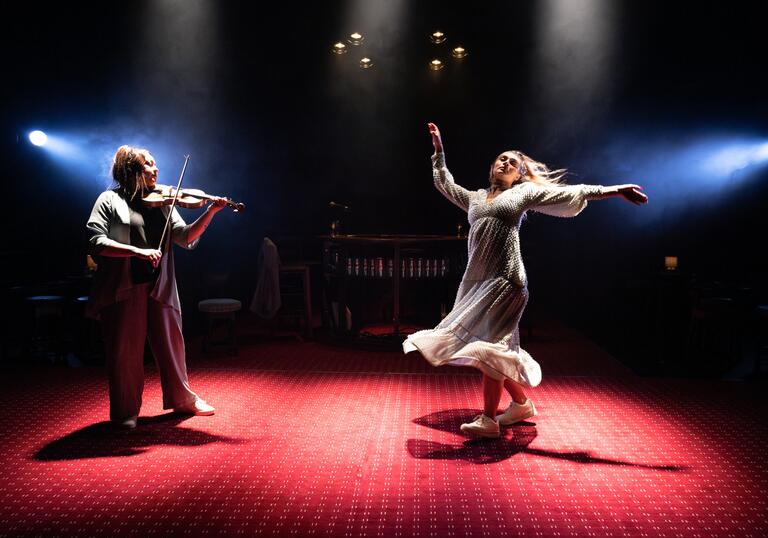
(442, 177)
(437, 140)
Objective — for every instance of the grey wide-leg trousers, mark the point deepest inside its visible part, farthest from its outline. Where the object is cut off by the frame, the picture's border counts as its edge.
(126, 325)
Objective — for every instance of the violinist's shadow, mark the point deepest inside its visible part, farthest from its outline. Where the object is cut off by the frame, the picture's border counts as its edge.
(102, 440)
(513, 440)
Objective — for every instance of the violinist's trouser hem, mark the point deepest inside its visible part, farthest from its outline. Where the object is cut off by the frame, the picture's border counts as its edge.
(126, 326)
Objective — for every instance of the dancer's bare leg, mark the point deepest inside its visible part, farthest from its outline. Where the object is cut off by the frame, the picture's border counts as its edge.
(516, 391)
(491, 395)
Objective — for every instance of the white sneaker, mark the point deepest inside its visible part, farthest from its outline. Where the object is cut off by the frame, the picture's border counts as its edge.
(126, 424)
(199, 408)
(482, 426)
(516, 412)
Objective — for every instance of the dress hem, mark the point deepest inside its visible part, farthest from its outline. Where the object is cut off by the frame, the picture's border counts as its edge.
(527, 376)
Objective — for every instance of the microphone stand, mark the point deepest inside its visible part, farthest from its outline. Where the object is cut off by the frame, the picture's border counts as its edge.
(336, 223)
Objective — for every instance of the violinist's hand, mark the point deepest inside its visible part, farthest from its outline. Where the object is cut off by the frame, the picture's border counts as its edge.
(437, 141)
(633, 193)
(217, 204)
(150, 254)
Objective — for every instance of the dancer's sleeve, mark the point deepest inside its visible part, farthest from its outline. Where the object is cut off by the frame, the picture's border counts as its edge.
(560, 200)
(445, 184)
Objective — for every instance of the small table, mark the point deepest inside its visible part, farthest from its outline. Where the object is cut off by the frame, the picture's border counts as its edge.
(336, 256)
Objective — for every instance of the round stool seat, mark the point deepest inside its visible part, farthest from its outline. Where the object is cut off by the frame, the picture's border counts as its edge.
(46, 305)
(220, 311)
(219, 306)
(39, 299)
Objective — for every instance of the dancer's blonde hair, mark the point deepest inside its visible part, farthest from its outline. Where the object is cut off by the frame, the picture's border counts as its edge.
(535, 171)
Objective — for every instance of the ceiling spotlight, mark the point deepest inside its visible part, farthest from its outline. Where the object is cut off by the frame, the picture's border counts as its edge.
(38, 138)
(435, 65)
(459, 52)
(339, 48)
(437, 37)
(366, 63)
(355, 39)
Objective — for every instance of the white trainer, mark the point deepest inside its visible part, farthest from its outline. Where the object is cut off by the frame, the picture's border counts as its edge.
(126, 424)
(516, 412)
(199, 408)
(482, 426)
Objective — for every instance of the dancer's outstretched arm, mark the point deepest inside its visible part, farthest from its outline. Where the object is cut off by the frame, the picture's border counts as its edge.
(630, 192)
(570, 200)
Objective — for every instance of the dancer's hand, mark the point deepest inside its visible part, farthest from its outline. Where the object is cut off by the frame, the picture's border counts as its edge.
(436, 140)
(632, 193)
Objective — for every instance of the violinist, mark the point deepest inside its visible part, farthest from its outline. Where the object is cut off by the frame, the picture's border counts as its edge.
(134, 289)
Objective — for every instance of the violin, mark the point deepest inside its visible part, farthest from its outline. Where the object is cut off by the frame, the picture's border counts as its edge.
(189, 198)
(165, 195)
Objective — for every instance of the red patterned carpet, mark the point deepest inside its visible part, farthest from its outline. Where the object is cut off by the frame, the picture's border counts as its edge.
(310, 439)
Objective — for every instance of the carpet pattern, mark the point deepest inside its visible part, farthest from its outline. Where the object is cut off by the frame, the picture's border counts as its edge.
(309, 451)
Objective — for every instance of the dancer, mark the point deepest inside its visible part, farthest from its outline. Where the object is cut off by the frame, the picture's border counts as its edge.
(482, 329)
(134, 289)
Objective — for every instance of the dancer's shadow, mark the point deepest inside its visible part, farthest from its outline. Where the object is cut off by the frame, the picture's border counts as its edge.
(102, 440)
(480, 451)
(513, 441)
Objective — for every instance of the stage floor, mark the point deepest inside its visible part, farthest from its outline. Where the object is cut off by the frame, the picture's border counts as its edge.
(312, 439)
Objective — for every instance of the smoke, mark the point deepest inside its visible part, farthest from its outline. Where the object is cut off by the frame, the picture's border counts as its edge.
(574, 67)
(680, 170)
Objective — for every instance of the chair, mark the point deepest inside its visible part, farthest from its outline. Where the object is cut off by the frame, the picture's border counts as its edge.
(283, 294)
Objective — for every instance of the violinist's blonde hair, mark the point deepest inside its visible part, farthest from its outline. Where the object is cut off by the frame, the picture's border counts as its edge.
(128, 169)
(535, 171)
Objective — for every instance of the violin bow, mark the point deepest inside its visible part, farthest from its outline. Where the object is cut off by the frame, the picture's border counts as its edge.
(173, 204)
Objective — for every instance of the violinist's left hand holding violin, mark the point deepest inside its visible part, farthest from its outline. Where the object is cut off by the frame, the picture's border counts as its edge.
(217, 204)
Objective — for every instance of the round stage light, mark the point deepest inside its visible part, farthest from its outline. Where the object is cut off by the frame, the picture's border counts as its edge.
(459, 52)
(339, 48)
(38, 138)
(437, 37)
(435, 65)
(366, 63)
(355, 39)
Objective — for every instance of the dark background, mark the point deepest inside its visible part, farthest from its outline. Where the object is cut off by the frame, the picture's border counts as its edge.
(647, 92)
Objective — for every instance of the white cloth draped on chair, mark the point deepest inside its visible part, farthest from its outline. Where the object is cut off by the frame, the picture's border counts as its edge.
(266, 299)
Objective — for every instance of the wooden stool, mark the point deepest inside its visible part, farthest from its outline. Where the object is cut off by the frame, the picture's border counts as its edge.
(220, 310)
(296, 295)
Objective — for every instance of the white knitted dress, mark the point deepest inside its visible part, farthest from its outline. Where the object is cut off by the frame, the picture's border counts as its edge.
(482, 328)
